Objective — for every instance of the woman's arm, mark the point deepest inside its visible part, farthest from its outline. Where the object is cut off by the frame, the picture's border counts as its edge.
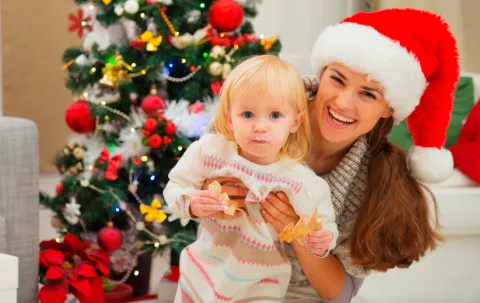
(326, 275)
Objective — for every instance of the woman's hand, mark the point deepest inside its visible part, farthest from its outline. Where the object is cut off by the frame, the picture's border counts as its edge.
(235, 193)
(318, 242)
(278, 211)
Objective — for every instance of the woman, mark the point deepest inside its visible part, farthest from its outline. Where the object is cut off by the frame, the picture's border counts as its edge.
(373, 75)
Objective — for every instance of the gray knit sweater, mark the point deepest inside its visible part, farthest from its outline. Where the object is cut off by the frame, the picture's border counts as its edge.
(348, 183)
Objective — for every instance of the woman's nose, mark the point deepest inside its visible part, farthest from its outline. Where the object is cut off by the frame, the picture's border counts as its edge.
(345, 100)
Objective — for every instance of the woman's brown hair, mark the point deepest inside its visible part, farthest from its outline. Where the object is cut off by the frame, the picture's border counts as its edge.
(395, 226)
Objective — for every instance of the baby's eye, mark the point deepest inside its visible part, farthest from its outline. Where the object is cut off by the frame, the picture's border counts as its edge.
(275, 115)
(247, 115)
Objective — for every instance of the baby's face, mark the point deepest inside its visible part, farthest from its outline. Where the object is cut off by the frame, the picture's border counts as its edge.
(261, 125)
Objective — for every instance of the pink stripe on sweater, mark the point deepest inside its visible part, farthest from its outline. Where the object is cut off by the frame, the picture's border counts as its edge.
(206, 276)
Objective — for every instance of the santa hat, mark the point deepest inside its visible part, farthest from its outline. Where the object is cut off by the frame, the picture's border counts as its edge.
(413, 55)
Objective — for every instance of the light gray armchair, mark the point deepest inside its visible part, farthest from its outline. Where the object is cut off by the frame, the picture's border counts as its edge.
(19, 201)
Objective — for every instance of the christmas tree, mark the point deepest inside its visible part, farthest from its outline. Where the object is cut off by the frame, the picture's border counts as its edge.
(145, 82)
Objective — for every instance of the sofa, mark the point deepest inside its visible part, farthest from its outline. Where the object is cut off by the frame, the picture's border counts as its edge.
(452, 272)
(19, 202)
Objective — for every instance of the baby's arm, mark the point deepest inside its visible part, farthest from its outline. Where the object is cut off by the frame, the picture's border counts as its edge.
(185, 179)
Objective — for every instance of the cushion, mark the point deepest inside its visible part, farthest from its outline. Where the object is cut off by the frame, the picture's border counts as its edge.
(463, 103)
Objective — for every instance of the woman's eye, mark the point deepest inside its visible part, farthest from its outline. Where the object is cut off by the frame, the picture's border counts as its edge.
(369, 95)
(247, 115)
(275, 115)
(336, 79)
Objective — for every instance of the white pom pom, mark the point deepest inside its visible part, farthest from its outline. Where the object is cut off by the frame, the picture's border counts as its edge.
(118, 10)
(430, 165)
(131, 6)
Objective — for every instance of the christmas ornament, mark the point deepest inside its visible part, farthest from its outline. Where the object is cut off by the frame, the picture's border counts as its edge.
(56, 223)
(215, 68)
(59, 188)
(153, 211)
(118, 10)
(268, 43)
(226, 69)
(196, 107)
(131, 6)
(216, 86)
(78, 153)
(193, 16)
(188, 39)
(152, 104)
(79, 23)
(423, 96)
(217, 51)
(109, 238)
(166, 140)
(225, 15)
(79, 118)
(151, 41)
(155, 141)
(150, 125)
(170, 128)
(72, 211)
(114, 73)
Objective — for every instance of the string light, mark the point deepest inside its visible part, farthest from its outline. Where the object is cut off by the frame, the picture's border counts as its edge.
(132, 130)
(134, 64)
(157, 244)
(107, 118)
(184, 60)
(202, 5)
(180, 148)
(205, 55)
(57, 240)
(136, 273)
(144, 158)
(93, 70)
(85, 95)
(142, 15)
(103, 103)
(117, 209)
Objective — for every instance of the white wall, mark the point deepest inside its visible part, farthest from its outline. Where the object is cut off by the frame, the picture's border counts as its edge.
(298, 23)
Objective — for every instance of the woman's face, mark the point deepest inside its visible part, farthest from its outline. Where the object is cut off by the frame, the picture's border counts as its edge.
(348, 105)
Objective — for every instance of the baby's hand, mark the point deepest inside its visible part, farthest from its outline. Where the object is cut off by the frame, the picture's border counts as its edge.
(318, 242)
(204, 203)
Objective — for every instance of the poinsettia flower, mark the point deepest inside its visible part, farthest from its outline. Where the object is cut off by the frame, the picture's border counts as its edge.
(79, 23)
(69, 267)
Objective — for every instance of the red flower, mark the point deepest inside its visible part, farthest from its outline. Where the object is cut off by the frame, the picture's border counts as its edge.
(79, 23)
(170, 128)
(68, 267)
(155, 141)
(150, 124)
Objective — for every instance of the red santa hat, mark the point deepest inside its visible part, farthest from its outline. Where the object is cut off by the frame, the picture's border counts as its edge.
(414, 56)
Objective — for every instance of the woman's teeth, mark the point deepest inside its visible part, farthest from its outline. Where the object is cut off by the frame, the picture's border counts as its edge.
(339, 119)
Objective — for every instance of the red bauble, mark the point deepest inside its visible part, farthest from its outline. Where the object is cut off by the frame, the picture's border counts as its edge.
(155, 141)
(151, 104)
(110, 238)
(170, 128)
(59, 188)
(150, 124)
(225, 15)
(79, 118)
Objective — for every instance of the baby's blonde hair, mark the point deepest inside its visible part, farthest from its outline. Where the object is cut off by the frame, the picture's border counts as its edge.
(267, 74)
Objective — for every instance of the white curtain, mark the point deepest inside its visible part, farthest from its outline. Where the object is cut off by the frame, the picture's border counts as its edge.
(298, 23)
(461, 15)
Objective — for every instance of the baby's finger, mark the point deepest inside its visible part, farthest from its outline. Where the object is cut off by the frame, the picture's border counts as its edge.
(320, 233)
(211, 202)
(209, 194)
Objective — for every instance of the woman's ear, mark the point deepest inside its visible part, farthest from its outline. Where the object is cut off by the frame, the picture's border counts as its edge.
(387, 113)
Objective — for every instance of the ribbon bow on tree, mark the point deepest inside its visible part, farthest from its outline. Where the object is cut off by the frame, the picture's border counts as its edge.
(153, 211)
(111, 172)
(151, 41)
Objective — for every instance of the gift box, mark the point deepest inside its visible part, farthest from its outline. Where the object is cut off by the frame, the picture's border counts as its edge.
(8, 278)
